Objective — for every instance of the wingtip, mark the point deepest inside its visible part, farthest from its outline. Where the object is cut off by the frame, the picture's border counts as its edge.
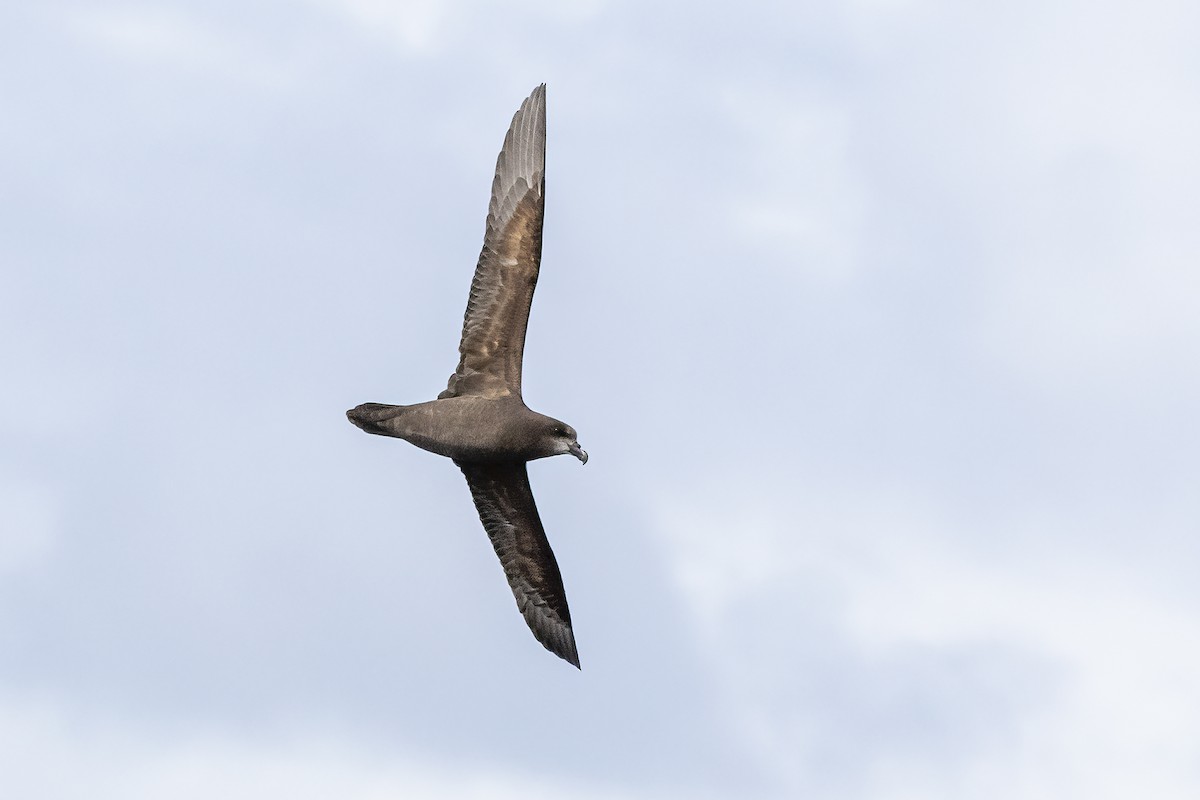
(538, 93)
(536, 99)
(571, 656)
(561, 643)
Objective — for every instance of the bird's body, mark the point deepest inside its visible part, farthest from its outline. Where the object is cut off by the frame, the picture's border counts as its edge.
(480, 420)
(466, 429)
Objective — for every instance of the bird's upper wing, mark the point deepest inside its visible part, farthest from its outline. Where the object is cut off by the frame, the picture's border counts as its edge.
(493, 337)
(506, 508)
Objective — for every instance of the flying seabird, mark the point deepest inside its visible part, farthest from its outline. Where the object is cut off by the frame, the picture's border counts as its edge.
(481, 421)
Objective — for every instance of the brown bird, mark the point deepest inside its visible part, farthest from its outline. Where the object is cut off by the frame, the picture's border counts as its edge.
(481, 421)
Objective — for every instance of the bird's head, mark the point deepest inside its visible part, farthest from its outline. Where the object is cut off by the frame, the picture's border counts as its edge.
(565, 440)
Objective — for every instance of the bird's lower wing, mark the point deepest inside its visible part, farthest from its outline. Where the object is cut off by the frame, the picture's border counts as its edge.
(506, 508)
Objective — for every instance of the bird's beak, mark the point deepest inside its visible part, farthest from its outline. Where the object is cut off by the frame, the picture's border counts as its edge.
(578, 452)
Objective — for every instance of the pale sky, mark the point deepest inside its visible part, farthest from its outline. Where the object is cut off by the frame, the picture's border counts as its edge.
(877, 318)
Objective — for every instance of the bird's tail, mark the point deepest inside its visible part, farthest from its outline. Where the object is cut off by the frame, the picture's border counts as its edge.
(373, 417)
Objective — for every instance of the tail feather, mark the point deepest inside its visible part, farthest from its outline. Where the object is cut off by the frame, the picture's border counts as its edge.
(371, 417)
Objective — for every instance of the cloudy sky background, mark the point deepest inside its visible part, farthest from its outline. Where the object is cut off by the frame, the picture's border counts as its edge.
(878, 319)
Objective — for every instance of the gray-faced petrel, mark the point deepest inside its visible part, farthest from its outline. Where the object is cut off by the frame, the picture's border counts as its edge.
(481, 421)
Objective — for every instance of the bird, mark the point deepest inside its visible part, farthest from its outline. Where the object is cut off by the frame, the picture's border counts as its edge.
(481, 421)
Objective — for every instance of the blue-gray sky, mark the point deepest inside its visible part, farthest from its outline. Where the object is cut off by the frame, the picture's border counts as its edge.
(878, 319)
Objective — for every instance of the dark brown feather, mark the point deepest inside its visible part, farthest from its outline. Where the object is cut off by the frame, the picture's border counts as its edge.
(510, 517)
(493, 336)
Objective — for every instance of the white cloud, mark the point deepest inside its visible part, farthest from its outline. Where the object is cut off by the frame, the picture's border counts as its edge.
(1087, 237)
(28, 524)
(1040, 154)
(417, 27)
(105, 759)
(427, 27)
(1042, 667)
(168, 36)
(800, 196)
